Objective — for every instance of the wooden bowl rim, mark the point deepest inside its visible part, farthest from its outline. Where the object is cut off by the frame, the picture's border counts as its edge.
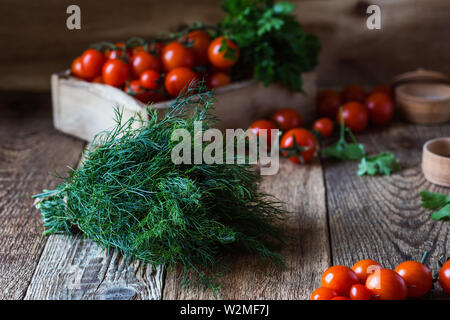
(400, 92)
(428, 152)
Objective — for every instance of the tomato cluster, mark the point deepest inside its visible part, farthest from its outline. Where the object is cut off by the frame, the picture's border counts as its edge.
(358, 107)
(154, 72)
(368, 280)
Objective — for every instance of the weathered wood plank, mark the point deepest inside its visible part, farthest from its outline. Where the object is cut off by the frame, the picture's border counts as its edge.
(381, 217)
(30, 150)
(306, 253)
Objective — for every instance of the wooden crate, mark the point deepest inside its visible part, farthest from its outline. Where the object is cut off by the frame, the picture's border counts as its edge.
(83, 109)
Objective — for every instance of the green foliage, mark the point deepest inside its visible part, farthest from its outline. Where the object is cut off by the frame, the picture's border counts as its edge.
(129, 195)
(343, 150)
(273, 45)
(436, 201)
(382, 163)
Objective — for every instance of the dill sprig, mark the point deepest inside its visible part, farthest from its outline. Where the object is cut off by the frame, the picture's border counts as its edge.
(129, 195)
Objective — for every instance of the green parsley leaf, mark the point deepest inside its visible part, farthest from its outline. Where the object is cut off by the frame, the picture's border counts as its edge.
(383, 163)
(433, 201)
(442, 214)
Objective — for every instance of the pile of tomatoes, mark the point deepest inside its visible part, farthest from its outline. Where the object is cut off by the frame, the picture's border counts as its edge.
(358, 107)
(368, 280)
(159, 70)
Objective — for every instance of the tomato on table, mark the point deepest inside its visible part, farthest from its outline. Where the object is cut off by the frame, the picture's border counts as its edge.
(142, 61)
(115, 72)
(353, 93)
(386, 89)
(287, 118)
(323, 294)
(380, 107)
(303, 150)
(355, 116)
(417, 276)
(339, 278)
(340, 298)
(360, 292)
(179, 79)
(176, 55)
(259, 125)
(219, 56)
(387, 284)
(149, 79)
(200, 43)
(324, 126)
(92, 61)
(364, 268)
(328, 102)
(217, 79)
(135, 89)
(444, 277)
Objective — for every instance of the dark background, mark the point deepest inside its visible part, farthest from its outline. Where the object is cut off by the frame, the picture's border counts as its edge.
(35, 41)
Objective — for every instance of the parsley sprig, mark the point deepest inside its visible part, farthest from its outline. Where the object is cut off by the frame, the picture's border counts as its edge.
(382, 163)
(436, 201)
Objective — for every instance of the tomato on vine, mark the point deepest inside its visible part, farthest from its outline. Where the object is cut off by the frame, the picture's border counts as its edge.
(339, 278)
(176, 55)
(324, 126)
(77, 69)
(340, 298)
(298, 145)
(200, 43)
(286, 119)
(115, 72)
(387, 284)
(222, 56)
(360, 292)
(142, 61)
(323, 294)
(149, 79)
(135, 89)
(179, 79)
(92, 61)
(355, 116)
(217, 79)
(364, 268)
(417, 276)
(117, 53)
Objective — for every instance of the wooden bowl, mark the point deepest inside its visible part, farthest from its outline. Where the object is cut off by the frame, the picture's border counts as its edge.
(436, 161)
(424, 103)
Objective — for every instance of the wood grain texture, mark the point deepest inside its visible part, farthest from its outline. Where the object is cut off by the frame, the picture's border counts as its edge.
(75, 268)
(30, 151)
(413, 34)
(381, 217)
(306, 253)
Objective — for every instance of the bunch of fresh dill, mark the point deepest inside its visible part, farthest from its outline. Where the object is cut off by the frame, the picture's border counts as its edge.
(128, 194)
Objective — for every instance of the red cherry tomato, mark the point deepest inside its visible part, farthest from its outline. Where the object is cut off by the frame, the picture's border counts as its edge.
(444, 277)
(179, 79)
(324, 126)
(304, 138)
(387, 284)
(149, 79)
(263, 125)
(135, 89)
(115, 72)
(218, 79)
(98, 79)
(387, 90)
(77, 69)
(380, 107)
(175, 55)
(417, 276)
(217, 57)
(142, 61)
(118, 53)
(365, 267)
(92, 61)
(353, 93)
(340, 279)
(323, 294)
(340, 298)
(200, 43)
(355, 116)
(327, 103)
(360, 292)
(286, 119)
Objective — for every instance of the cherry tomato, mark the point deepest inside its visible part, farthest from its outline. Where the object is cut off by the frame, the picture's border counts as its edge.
(287, 118)
(179, 79)
(360, 292)
(355, 116)
(387, 90)
(149, 79)
(218, 79)
(98, 79)
(175, 55)
(265, 125)
(77, 69)
(156, 48)
(217, 58)
(115, 72)
(118, 53)
(387, 284)
(340, 298)
(304, 138)
(444, 277)
(340, 279)
(417, 276)
(142, 61)
(92, 61)
(324, 126)
(135, 89)
(380, 108)
(365, 267)
(200, 43)
(327, 103)
(353, 93)
(323, 294)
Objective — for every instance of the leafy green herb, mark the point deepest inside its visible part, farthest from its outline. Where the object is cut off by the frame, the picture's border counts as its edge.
(436, 201)
(128, 194)
(273, 45)
(382, 163)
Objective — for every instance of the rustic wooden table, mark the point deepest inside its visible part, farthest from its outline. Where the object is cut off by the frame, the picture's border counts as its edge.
(337, 218)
